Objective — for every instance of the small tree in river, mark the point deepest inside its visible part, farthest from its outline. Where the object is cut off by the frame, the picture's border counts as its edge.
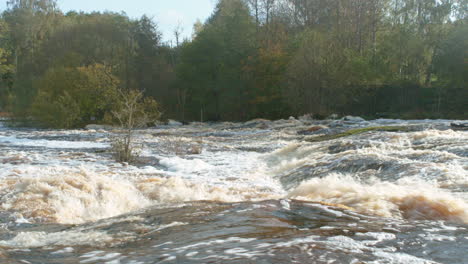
(133, 111)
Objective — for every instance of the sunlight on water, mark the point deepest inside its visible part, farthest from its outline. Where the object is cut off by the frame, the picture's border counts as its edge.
(252, 194)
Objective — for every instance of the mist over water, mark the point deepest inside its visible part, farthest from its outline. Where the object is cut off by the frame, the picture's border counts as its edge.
(255, 192)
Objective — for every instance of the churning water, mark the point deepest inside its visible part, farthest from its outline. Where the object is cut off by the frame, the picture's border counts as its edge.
(255, 192)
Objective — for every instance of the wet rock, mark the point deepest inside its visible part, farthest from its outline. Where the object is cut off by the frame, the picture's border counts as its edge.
(5, 116)
(312, 130)
(342, 147)
(256, 123)
(171, 122)
(306, 117)
(459, 125)
(337, 123)
(15, 160)
(285, 124)
(98, 127)
(292, 118)
(146, 161)
(197, 124)
(353, 119)
(333, 117)
(339, 132)
(158, 123)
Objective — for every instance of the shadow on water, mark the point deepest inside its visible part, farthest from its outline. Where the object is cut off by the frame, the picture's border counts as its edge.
(262, 232)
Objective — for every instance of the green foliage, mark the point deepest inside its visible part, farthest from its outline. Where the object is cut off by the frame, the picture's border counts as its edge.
(251, 58)
(132, 110)
(30, 23)
(451, 57)
(263, 72)
(6, 68)
(74, 97)
(324, 75)
(33, 5)
(216, 85)
(41, 39)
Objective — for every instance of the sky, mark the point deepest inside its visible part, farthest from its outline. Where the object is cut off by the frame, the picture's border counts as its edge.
(166, 13)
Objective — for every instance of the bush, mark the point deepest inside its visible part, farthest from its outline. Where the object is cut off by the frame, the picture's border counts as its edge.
(74, 97)
(133, 111)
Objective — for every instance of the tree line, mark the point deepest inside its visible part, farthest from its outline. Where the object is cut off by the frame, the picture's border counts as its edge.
(249, 59)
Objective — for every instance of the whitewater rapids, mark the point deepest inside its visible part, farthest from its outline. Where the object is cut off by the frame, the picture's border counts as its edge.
(238, 193)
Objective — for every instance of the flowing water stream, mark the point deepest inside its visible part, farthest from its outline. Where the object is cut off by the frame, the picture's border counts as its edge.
(255, 192)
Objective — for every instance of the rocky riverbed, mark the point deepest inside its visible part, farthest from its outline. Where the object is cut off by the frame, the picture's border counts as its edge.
(286, 191)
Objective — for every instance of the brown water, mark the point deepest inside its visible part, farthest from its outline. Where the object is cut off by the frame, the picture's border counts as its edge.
(257, 193)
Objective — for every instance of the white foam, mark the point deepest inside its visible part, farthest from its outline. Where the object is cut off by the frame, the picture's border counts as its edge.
(72, 197)
(177, 164)
(405, 198)
(399, 258)
(177, 190)
(55, 144)
(66, 238)
(46, 184)
(103, 257)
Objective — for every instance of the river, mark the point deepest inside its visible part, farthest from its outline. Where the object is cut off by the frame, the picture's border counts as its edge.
(255, 192)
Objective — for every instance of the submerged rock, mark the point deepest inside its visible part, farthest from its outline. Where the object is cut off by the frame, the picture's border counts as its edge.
(98, 127)
(312, 130)
(197, 124)
(171, 122)
(339, 133)
(459, 125)
(354, 119)
(255, 123)
(158, 123)
(306, 117)
(336, 123)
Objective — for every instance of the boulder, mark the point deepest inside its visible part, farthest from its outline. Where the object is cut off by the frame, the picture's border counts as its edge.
(158, 123)
(354, 119)
(171, 122)
(459, 125)
(336, 123)
(315, 128)
(256, 123)
(333, 117)
(312, 130)
(196, 123)
(306, 117)
(98, 127)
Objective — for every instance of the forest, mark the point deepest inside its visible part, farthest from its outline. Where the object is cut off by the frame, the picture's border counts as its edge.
(250, 59)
